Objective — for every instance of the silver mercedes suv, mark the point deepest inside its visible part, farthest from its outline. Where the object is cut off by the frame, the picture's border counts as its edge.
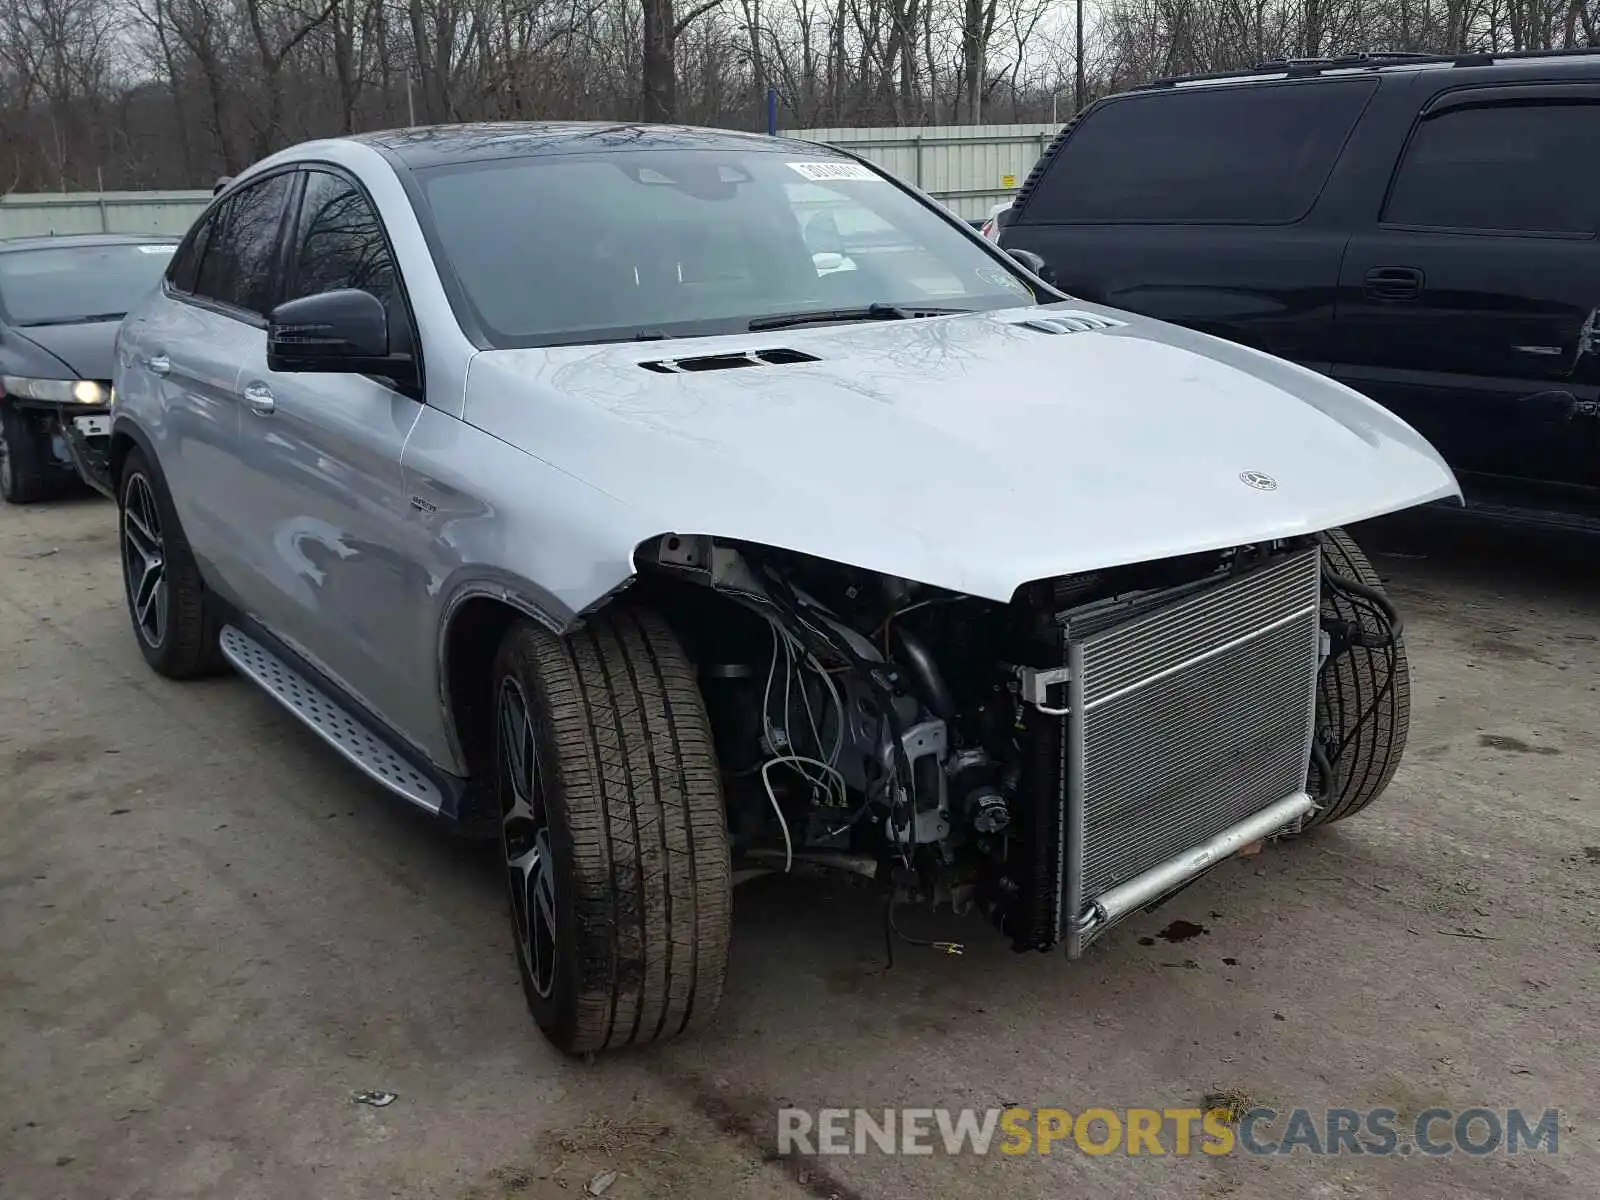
(675, 505)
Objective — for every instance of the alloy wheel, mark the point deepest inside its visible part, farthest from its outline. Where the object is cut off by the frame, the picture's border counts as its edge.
(525, 837)
(144, 561)
(5, 464)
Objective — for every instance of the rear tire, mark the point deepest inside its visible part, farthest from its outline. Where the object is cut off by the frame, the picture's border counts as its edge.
(166, 596)
(614, 831)
(1363, 698)
(23, 477)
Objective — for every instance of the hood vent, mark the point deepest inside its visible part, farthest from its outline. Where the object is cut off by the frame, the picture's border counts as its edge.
(727, 362)
(1070, 322)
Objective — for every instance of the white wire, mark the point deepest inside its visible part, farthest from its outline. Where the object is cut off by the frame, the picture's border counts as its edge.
(793, 644)
(811, 716)
(798, 761)
(839, 713)
(766, 782)
(790, 645)
(788, 704)
(766, 692)
(831, 782)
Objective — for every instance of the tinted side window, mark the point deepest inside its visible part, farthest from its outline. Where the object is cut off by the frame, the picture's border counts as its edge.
(240, 266)
(211, 279)
(340, 244)
(1251, 154)
(185, 268)
(1510, 167)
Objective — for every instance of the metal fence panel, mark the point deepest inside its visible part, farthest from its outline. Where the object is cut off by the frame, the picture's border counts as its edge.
(970, 168)
(99, 212)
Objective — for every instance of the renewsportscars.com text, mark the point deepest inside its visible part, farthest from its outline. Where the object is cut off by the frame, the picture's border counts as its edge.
(1165, 1131)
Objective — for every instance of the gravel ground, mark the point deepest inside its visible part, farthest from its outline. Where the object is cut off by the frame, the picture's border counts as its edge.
(212, 930)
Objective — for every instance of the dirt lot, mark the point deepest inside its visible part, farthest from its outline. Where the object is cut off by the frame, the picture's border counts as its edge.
(211, 931)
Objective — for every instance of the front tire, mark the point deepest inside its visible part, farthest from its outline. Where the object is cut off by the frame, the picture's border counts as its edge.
(166, 596)
(23, 478)
(1363, 696)
(613, 831)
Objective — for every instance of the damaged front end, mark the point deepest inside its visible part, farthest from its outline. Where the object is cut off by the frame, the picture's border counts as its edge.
(59, 428)
(1056, 762)
(86, 443)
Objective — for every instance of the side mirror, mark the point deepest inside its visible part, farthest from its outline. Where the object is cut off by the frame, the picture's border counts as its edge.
(1034, 264)
(346, 330)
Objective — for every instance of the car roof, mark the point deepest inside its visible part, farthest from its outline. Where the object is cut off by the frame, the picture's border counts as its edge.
(50, 241)
(439, 145)
(1580, 61)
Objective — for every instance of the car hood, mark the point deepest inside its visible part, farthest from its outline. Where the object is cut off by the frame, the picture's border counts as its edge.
(86, 350)
(974, 452)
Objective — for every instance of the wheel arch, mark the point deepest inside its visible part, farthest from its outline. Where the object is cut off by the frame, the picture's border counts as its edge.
(125, 437)
(474, 620)
(473, 623)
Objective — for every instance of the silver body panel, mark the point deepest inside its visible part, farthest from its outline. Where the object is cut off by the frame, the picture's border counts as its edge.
(969, 452)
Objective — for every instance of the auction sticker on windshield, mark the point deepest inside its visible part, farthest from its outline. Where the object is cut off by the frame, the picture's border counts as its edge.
(828, 172)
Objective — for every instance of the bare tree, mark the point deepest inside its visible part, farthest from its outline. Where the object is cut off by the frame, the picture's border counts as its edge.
(136, 93)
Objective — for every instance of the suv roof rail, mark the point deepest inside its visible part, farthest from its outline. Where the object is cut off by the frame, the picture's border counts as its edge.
(1293, 68)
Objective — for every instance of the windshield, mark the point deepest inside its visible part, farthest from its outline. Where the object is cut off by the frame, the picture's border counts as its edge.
(61, 284)
(650, 243)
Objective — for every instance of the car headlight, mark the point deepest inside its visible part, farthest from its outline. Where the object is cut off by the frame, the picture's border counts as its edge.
(56, 391)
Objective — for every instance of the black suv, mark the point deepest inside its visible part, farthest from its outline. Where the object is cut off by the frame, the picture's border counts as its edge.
(1421, 228)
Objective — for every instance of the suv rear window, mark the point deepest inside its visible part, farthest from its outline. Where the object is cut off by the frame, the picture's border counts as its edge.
(1256, 154)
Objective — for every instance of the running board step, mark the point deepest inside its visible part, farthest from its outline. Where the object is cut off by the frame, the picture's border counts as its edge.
(337, 725)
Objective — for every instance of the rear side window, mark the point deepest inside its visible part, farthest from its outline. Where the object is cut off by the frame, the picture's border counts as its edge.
(1256, 154)
(241, 257)
(211, 260)
(1514, 168)
(185, 269)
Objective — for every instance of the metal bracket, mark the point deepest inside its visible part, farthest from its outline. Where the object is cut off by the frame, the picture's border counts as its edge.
(1036, 687)
(930, 816)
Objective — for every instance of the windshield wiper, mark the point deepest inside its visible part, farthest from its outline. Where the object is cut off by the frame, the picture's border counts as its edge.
(872, 312)
(89, 319)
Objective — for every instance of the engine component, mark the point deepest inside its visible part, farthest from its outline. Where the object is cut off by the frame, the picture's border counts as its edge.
(1057, 761)
(986, 810)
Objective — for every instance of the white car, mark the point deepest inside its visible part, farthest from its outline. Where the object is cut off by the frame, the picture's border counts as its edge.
(547, 474)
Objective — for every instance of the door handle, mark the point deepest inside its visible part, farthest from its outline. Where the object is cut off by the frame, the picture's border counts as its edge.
(1394, 283)
(260, 399)
(159, 364)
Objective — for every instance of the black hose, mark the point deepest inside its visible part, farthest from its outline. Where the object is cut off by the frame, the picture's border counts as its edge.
(924, 673)
(1370, 594)
(1355, 635)
(1319, 756)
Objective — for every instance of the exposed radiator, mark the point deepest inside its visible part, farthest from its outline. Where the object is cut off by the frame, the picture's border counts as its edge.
(1184, 722)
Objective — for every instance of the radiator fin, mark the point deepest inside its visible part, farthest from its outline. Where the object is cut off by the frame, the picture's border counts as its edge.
(1187, 720)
